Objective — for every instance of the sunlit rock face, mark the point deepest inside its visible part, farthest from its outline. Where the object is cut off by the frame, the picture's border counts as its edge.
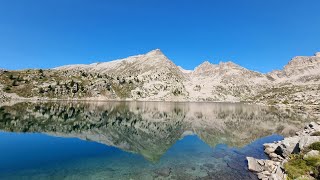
(154, 77)
(150, 128)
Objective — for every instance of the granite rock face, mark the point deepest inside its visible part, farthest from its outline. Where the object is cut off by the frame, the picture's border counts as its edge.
(311, 153)
(152, 76)
(279, 153)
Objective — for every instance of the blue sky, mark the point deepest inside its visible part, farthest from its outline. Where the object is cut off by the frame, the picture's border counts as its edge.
(261, 35)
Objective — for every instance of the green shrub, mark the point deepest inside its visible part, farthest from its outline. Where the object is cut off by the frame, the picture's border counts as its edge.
(7, 88)
(313, 161)
(84, 74)
(14, 83)
(314, 146)
(297, 166)
(41, 90)
(50, 88)
(316, 133)
(285, 102)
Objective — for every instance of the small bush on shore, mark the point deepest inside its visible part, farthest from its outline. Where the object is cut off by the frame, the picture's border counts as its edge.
(316, 133)
(314, 146)
(297, 167)
(7, 88)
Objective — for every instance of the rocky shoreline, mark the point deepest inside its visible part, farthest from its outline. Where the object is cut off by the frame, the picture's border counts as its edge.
(281, 152)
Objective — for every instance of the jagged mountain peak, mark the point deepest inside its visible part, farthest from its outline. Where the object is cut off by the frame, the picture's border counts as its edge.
(209, 69)
(230, 64)
(208, 65)
(204, 65)
(155, 52)
(301, 61)
(152, 76)
(298, 68)
(204, 69)
(151, 58)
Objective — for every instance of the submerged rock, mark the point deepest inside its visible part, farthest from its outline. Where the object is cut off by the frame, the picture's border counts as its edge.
(164, 172)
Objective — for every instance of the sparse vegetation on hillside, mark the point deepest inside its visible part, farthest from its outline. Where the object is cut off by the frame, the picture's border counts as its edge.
(63, 84)
(154, 77)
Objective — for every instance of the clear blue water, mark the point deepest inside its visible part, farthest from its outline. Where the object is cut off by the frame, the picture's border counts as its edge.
(135, 141)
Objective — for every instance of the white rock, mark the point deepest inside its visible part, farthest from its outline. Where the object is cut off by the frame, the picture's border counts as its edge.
(253, 165)
(314, 126)
(267, 173)
(270, 165)
(305, 141)
(273, 155)
(311, 153)
(290, 145)
(262, 176)
(269, 150)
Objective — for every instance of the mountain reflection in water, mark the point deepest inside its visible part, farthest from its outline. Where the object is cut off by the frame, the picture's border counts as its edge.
(176, 140)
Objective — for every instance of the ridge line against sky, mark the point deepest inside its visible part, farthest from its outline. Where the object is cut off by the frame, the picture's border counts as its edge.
(205, 61)
(258, 35)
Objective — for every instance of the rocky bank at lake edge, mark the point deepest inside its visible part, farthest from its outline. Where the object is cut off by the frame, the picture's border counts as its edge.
(280, 152)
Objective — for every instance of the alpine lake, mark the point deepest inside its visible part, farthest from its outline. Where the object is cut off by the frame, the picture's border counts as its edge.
(137, 140)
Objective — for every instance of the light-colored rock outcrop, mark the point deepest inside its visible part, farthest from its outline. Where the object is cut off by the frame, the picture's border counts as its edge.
(225, 81)
(152, 76)
(266, 169)
(312, 153)
(299, 70)
(279, 153)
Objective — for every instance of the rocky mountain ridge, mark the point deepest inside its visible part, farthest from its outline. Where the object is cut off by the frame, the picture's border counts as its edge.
(153, 76)
(299, 67)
